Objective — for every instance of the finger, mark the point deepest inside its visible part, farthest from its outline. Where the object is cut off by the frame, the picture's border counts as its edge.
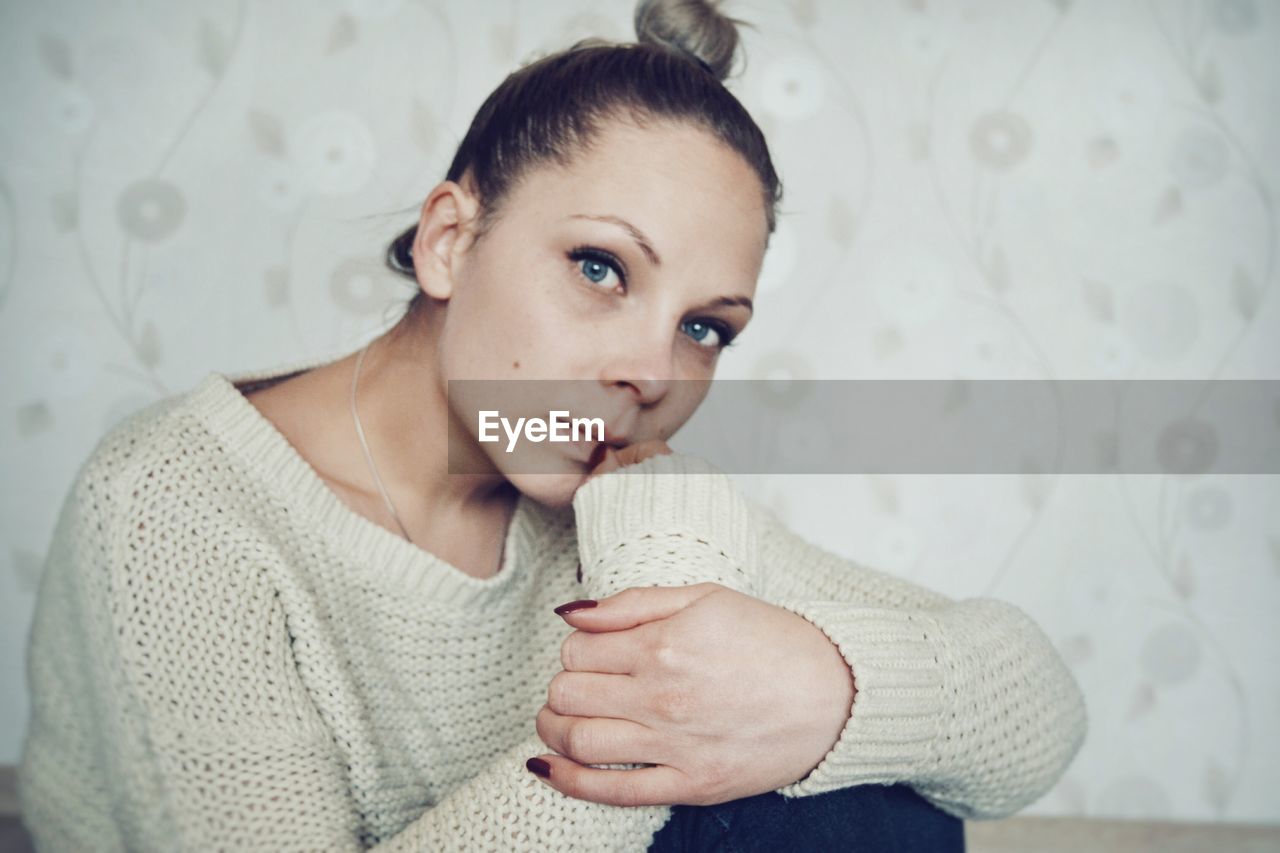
(613, 459)
(616, 652)
(598, 740)
(608, 463)
(659, 785)
(642, 450)
(594, 694)
(636, 606)
(603, 460)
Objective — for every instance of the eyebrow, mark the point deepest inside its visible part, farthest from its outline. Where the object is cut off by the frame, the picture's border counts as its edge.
(636, 233)
(732, 300)
(652, 254)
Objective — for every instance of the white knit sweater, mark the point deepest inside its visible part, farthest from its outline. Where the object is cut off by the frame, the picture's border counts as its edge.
(224, 656)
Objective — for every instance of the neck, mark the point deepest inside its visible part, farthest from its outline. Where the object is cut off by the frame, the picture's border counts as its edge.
(404, 411)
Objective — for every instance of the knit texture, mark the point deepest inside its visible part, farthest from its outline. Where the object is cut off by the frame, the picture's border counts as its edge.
(224, 656)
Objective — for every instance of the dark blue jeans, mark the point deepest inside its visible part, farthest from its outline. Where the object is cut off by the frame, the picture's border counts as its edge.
(866, 819)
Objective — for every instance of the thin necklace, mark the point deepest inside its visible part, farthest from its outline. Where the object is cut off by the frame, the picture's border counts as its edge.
(355, 379)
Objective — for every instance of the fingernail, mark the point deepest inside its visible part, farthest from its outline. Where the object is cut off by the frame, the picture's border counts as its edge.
(539, 767)
(580, 604)
(579, 572)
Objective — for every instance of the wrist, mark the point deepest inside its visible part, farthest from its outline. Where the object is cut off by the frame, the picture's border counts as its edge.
(899, 697)
(667, 520)
(832, 708)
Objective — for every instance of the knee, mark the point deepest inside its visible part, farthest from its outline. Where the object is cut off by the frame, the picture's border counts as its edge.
(825, 821)
(883, 819)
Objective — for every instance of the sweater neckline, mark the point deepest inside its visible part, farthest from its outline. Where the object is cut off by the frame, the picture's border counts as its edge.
(268, 456)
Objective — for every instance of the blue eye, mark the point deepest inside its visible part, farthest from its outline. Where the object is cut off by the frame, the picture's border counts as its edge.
(724, 335)
(595, 264)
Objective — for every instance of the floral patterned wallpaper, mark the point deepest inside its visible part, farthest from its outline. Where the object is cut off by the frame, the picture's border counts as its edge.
(1054, 189)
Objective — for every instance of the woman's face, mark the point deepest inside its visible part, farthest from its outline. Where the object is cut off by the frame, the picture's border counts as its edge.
(628, 271)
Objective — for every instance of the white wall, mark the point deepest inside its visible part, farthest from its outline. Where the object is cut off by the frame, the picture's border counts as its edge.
(1014, 189)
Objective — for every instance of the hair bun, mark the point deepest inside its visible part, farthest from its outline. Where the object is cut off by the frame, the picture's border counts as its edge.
(694, 27)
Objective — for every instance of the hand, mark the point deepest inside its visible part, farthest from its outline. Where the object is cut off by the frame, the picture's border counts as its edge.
(729, 696)
(608, 459)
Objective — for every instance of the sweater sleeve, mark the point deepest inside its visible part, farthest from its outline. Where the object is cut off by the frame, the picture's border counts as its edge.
(669, 520)
(968, 702)
(168, 713)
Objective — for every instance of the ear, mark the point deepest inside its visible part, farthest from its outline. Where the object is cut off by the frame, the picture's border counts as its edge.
(445, 231)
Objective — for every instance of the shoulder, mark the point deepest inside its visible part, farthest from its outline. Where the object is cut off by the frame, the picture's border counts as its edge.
(137, 523)
(162, 514)
(105, 477)
(158, 462)
(133, 440)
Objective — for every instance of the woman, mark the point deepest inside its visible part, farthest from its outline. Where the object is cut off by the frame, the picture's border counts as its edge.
(271, 617)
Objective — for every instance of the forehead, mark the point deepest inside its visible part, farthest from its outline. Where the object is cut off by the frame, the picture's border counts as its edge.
(676, 183)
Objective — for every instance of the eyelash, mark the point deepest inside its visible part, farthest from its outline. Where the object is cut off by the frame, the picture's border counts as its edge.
(582, 253)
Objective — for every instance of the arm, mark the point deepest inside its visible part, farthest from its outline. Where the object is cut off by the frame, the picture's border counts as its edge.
(168, 713)
(966, 701)
(669, 520)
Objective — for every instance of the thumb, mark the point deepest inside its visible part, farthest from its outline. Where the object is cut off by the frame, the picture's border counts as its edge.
(632, 607)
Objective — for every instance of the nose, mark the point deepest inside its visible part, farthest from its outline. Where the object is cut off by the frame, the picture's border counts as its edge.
(642, 359)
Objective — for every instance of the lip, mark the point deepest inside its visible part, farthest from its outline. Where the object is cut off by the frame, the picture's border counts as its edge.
(584, 450)
(611, 436)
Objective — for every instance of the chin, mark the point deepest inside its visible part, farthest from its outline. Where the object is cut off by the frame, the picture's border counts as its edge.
(553, 490)
(551, 478)
(544, 474)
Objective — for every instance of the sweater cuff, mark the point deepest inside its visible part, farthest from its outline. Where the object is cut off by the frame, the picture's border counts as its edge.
(897, 662)
(668, 520)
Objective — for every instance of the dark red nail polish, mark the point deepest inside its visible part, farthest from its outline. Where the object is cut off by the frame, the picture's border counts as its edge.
(540, 767)
(579, 572)
(580, 604)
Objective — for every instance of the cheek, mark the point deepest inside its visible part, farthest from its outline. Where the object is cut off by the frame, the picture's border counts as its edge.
(490, 332)
(520, 325)
(684, 401)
